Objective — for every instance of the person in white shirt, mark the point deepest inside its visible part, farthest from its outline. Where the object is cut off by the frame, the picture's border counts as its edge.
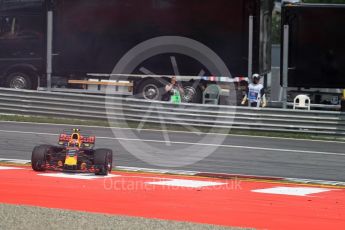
(255, 93)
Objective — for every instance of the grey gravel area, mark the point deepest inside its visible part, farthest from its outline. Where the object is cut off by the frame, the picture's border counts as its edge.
(25, 217)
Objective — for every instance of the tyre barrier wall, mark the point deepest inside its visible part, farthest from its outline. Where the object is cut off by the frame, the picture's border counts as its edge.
(103, 108)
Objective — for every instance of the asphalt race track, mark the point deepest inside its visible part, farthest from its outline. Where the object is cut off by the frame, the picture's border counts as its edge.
(288, 158)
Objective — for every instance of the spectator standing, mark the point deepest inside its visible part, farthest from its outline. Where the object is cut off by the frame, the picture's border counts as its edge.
(173, 91)
(255, 93)
(342, 101)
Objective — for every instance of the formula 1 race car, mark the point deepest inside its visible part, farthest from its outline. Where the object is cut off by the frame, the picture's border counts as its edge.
(75, 153)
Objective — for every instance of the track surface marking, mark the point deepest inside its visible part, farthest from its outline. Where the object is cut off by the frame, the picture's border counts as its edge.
(224, 202)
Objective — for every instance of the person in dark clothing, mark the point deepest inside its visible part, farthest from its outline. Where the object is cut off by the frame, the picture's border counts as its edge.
(172, 89)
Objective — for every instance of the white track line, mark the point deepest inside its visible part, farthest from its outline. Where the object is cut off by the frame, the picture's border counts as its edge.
(292, 191)
(79, 176)
(15, 161)
(8, 168)
(186, 183)
(191, 173)
(191, 143)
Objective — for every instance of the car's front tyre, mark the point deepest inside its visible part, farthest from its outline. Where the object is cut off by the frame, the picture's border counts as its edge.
(39, 157)
(103, 161)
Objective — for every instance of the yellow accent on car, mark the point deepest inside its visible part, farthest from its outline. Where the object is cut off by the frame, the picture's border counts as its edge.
(71, 161)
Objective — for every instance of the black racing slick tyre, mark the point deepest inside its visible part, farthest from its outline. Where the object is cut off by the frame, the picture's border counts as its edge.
(103, 161)
(39, 157)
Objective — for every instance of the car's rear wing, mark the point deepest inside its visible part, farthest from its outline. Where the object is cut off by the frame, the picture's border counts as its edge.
(68, 135)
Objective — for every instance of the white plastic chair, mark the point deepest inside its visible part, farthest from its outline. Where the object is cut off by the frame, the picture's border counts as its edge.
(303, 102)
(211, 95)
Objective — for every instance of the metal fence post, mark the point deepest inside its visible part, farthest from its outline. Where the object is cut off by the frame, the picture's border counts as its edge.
(285, 64)
(49, 49)
(250, 46)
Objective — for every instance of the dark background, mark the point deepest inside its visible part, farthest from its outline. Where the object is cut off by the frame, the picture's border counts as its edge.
(317, 45)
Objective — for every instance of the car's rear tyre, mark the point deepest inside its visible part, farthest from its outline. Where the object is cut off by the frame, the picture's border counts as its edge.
(39, 157)
(103, 161)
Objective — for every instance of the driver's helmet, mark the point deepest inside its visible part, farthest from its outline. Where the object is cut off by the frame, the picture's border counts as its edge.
(73, 143)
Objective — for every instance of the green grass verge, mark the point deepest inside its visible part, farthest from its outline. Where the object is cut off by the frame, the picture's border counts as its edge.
(51, 120)
(75, 122)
